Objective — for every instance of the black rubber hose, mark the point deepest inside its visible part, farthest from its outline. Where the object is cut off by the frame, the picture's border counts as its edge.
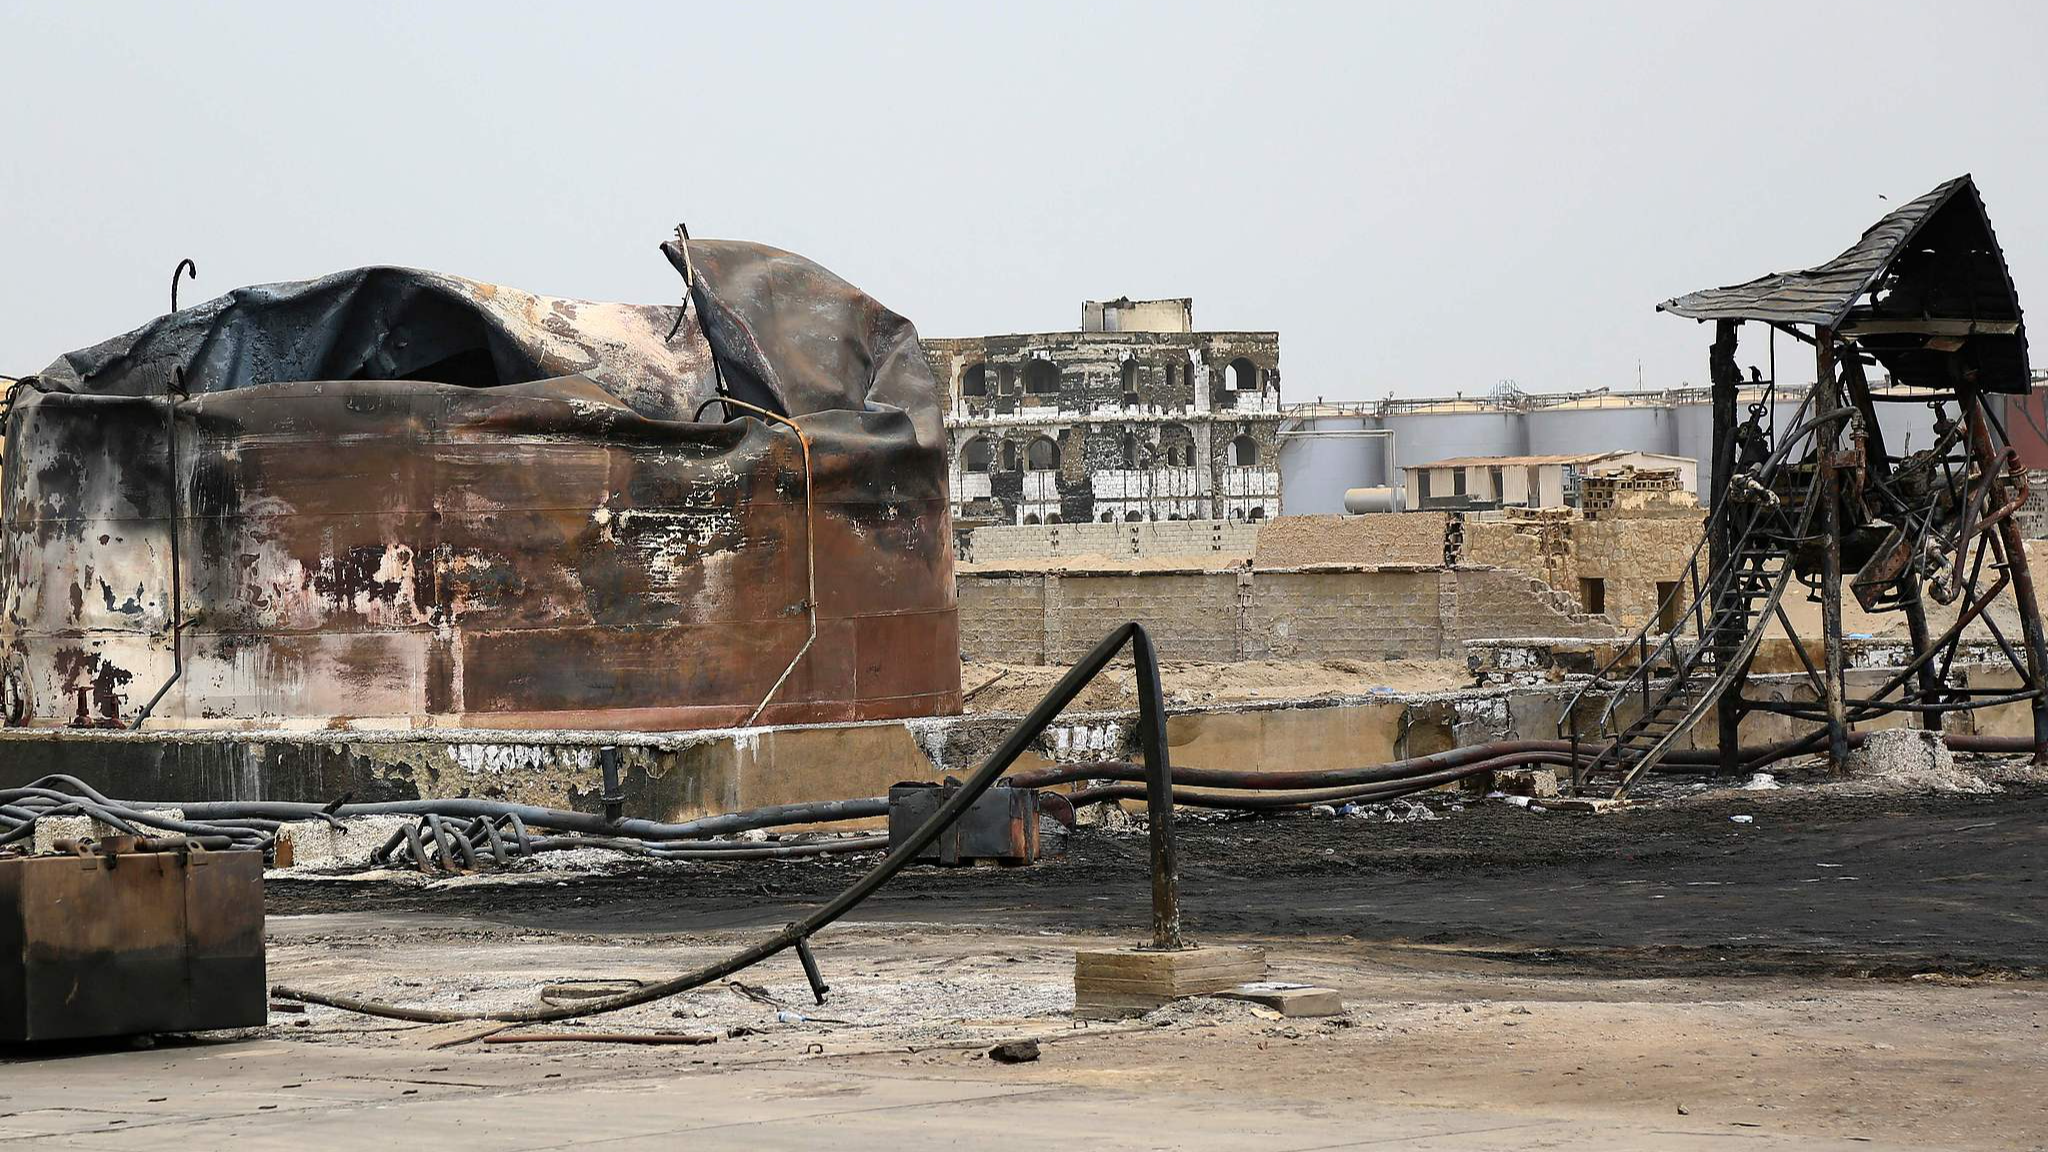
(1014, 745)
(663, 851)
(774, 816)
(1297, 798)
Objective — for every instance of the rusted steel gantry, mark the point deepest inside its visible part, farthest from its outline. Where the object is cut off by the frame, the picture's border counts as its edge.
(1821, 499)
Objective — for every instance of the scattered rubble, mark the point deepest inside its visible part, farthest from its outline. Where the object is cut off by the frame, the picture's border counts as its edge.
(1909, 759)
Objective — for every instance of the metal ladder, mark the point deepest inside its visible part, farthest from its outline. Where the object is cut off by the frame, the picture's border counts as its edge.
(1680, 672)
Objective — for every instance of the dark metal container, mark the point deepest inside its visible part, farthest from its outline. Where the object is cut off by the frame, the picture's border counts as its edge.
(1002, 826)
(113, 943)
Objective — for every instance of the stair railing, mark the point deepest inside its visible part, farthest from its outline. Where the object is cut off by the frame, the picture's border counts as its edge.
(1703, 593)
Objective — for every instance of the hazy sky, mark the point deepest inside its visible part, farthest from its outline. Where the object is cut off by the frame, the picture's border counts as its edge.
(1420, 197)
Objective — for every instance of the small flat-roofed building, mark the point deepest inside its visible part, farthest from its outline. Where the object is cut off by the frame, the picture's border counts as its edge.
(1478, 482)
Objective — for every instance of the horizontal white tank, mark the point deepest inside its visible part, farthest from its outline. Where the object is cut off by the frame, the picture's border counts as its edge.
(1384, 498)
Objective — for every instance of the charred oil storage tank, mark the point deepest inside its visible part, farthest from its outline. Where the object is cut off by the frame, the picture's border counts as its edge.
(397, 497)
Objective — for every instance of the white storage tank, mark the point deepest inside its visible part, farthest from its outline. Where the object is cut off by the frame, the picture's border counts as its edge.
(1452, 430)
(1323, 455)
(1574, 429)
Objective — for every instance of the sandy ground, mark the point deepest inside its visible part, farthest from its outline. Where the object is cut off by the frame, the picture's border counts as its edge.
(1009, 688)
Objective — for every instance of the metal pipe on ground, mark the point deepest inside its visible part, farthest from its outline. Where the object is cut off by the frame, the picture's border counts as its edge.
(1164, 911)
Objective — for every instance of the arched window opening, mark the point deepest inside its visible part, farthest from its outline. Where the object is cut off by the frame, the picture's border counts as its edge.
(975, 381)
(1130, 376)
(1257, 514)
(1130, 450)
(1052, 518)
(1241, 376)
(1009, 455)
(1109, 517)
(1031, 517)
(974, 457)
(1041, 377)
(1134, 517)
(1177, 445)
(1244, 451)
(1042, 456)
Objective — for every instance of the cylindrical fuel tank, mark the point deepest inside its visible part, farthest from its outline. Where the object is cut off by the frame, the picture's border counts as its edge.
(1360, 501)
(1321, 456)
(1909, 428)
(1574, 429)
(1425, 437)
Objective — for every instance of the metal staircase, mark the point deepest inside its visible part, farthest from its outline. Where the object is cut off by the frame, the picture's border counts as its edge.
(1686, 658)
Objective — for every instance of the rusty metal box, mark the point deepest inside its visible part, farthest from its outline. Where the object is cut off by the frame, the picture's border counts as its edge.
(1002, 825)
(120, 943)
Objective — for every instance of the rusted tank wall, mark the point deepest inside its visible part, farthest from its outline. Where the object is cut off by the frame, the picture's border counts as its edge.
(428, 553)
(535, 553)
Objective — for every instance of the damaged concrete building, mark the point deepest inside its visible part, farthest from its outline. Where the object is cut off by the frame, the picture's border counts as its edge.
(1135, 417)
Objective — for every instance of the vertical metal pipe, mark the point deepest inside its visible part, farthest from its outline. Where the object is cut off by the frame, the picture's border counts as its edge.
(1726, 379)
(171, 396)
(1158, 794)
(1826, 439)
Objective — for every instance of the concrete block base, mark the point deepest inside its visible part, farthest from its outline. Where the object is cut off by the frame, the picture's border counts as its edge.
(1132, 981)
(1288, 999)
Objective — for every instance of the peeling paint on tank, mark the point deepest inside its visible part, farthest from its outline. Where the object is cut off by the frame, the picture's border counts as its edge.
(501, 759)
(1084, 741)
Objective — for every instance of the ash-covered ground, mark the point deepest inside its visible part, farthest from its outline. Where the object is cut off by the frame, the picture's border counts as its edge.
(1819, 880)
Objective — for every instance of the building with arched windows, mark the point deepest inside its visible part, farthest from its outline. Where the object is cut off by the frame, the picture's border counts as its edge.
(1134, 417)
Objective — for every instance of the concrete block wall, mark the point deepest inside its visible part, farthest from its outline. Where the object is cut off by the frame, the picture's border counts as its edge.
(1361, 614)
(1002, 618)
(1192, 614)
(1385, 615)
(1503, 602)
(1373, 540)
(2033, 515)
(1146, 540)
(1630, 554)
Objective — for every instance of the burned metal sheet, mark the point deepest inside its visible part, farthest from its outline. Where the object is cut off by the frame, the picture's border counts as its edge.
(1933, 273)
(400, 497)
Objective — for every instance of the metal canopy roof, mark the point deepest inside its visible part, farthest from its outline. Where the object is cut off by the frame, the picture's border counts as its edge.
(1821, 295)
(1930, 269)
